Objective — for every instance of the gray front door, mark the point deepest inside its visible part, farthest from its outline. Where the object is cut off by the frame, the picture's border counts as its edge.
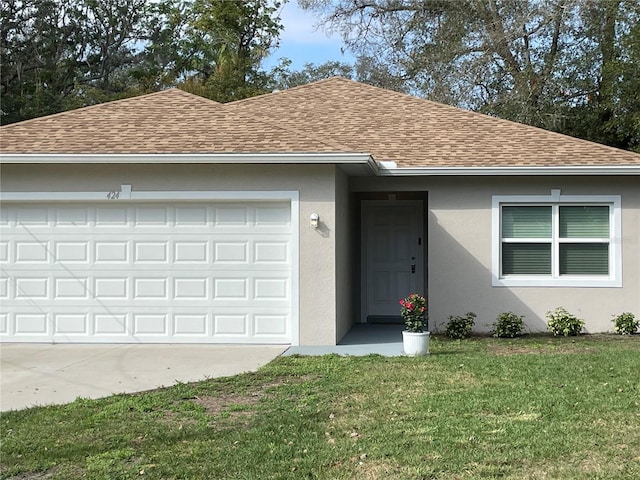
(392, 256)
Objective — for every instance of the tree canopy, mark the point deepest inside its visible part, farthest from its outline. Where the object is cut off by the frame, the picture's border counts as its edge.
(567, 65)
(60, 55)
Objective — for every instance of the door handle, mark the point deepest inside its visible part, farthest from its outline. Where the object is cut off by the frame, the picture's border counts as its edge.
(413, 268)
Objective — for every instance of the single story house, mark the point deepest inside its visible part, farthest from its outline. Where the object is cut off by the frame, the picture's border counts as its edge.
(288, 217)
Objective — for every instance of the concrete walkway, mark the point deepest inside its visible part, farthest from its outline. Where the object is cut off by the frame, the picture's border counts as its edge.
(362, 339)
(42, 374)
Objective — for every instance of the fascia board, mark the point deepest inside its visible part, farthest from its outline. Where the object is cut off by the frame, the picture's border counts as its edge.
(213, 158)
(510, 171)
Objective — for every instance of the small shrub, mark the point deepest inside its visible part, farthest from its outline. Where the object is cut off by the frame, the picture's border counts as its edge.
(625, 324)
(460, 326)
(414, 313)
(508, 325)
(563, 323)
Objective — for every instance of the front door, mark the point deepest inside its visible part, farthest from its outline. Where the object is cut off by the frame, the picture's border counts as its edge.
(392, 257)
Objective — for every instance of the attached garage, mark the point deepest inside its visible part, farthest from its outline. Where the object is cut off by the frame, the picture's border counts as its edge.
(156, 267)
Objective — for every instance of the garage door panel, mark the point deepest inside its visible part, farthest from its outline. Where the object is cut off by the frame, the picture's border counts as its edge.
(272, 215)
(31, 324)
(71, 324)
(111, 288)
(4, 288)
(231, 215)
(4, 324)
(231, 325)
(187, 272)
(230, 289)
(32, 216)
(4, 252)
(27, 251)
(111, 217)
(151, 216)
(71, 252)
(271, 289)
(146, 324)
(111, 251)
(191, 288)
(32, 288)
(150, 251)
(192, 216)
(71, 288)
(191, 325)
(71, 217)
(111, 325)
(178, 327)
(231, 252)
(191, 252)
(149, 288)
(272, 252)
(270, 325)
(152, 286)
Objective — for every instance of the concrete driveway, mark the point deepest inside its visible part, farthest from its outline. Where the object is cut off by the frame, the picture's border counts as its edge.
(39, 374)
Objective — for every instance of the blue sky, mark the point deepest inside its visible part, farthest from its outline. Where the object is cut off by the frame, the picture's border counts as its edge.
(301, 42)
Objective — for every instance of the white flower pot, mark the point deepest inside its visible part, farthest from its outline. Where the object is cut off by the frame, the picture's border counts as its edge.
(415, 344)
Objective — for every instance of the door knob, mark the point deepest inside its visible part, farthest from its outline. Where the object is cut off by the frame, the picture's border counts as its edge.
(413, 268)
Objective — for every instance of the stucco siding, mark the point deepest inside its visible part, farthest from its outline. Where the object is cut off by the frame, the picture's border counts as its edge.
(460, 246)
(315, 183)
(344, 281)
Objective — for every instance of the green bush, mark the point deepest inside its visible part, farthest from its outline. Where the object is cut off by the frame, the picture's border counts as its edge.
(460, 326)
(508, 325)
(414, 313)
(625, 324)
(563, 323)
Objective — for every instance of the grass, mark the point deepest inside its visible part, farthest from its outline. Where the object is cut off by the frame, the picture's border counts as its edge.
(531, 408)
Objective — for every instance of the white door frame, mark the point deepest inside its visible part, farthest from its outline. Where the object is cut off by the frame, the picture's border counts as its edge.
(365, 242)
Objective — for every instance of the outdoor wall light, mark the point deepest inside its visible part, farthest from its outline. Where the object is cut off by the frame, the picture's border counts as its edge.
(314, 219)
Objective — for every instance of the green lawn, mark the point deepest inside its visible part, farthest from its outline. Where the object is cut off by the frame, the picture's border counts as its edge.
(536, 408)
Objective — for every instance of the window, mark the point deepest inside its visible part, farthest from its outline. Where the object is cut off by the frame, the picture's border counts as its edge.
(556, 240)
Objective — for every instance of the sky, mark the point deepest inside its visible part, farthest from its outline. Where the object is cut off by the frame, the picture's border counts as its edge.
(301, 42)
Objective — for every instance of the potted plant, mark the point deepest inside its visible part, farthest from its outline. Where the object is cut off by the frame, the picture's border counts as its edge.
(415, 338)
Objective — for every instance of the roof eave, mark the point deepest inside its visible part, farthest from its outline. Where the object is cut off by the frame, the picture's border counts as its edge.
(511, 171)
(362, 162)
(352, 163)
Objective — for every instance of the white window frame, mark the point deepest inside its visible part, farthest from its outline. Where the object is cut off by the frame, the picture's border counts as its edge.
(556, 200)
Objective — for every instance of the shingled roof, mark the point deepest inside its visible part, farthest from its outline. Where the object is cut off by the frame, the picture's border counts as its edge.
(329, 116)
(167, 122)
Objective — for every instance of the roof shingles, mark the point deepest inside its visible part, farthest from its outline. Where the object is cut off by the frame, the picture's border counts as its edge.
(415, 132)
(166, 122)
(329, 116)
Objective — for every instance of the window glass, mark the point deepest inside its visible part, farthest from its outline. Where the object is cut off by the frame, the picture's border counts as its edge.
(526, 222)
(584, 259)
(526, 259)
(584, 222)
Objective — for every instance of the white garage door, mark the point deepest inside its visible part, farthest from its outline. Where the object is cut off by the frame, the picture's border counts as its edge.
(199, 272)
